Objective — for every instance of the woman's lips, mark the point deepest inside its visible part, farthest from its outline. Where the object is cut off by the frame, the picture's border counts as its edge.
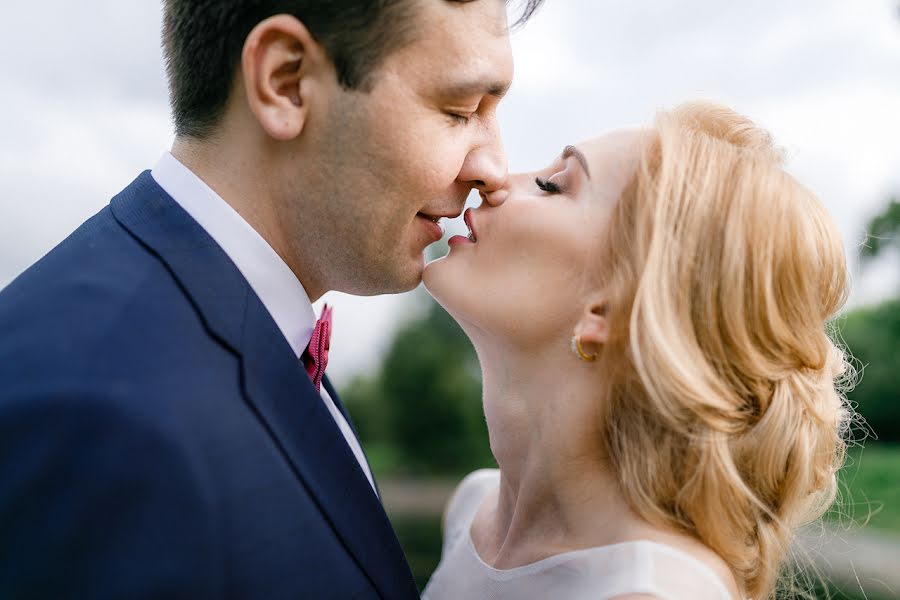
(467, 217)
(460, 240)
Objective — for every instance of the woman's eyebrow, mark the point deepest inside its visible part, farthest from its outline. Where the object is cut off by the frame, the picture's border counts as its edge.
(570, 151)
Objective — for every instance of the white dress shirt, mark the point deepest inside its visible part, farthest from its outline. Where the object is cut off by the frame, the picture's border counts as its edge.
(273, 281)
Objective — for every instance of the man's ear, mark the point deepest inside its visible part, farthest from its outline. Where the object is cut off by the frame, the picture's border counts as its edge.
(593, 327)
(280, 63)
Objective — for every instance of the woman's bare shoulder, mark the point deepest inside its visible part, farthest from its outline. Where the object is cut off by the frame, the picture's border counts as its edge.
(689, 546)
(468, 494)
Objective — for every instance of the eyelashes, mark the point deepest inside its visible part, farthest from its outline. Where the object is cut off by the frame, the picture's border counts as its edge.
(458, 119)
(547, 186)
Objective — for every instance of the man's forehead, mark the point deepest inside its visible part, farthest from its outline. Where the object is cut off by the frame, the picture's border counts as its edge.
(489, 15)
(462, 46)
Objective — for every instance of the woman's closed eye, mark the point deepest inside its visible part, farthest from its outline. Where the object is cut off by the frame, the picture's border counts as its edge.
(547, 186)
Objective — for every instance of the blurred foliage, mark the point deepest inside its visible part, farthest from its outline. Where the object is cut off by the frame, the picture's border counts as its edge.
(421, 540)
(421, 412)
(873, 336)
(869, 489)
(883, 231)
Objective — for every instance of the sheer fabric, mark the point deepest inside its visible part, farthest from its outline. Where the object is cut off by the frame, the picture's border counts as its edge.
(638, 567)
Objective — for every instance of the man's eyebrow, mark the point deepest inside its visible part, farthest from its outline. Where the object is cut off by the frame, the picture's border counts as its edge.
(572, 151)
(476, 87)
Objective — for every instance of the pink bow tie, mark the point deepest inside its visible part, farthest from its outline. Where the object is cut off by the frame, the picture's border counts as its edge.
(315, 359)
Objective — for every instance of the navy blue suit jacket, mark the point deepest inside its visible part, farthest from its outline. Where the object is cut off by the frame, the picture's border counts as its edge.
(158, 436)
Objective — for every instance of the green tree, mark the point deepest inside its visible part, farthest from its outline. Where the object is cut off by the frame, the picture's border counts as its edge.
(421, 411)
(883, 231)
(873, 336)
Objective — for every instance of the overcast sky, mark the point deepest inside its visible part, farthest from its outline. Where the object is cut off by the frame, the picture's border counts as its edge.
(83, 109)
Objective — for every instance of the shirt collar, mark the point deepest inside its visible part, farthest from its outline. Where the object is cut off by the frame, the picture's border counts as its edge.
(273, 281)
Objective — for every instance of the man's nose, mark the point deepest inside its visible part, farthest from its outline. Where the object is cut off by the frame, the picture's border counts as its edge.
(486, 169)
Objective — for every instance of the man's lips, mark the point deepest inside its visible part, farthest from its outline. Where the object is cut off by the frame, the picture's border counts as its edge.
(432, 222)
(432, 227)
(438, 215)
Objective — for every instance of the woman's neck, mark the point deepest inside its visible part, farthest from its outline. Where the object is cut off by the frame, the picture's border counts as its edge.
(557, 492)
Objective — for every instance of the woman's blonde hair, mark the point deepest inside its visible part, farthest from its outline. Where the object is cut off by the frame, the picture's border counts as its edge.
(725, 417)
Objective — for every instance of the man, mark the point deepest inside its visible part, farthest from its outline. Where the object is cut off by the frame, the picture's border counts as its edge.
(165, 427)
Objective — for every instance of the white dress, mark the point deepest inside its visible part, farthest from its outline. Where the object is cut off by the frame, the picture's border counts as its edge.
(638, 567)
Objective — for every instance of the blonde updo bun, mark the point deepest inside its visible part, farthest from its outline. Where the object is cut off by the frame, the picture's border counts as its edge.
(725, 420)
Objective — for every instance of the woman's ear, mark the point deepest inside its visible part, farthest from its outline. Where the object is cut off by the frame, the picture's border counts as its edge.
(592, 328)
(279, 65)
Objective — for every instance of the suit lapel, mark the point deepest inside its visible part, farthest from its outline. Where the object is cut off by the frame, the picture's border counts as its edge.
(276, 384)
(337, 401)
(285, 398)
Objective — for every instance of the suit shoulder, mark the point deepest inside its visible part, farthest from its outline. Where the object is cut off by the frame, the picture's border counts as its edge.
(93, 299)
(94, 266)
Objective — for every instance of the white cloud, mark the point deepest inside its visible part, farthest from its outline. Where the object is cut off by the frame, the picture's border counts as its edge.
(66, 164)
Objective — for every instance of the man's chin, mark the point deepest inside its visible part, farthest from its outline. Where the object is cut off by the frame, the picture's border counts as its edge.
(382, 278)
(404, 280)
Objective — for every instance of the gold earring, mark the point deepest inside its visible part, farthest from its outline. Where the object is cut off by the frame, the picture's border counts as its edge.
(577, 349)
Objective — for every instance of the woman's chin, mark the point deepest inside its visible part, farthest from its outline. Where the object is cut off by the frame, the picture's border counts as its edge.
(445, 283)
(434, 276)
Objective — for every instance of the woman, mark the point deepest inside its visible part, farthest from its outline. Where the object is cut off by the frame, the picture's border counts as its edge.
(650, 316)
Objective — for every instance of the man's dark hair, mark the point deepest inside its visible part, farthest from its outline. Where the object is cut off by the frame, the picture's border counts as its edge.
(203, 41)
